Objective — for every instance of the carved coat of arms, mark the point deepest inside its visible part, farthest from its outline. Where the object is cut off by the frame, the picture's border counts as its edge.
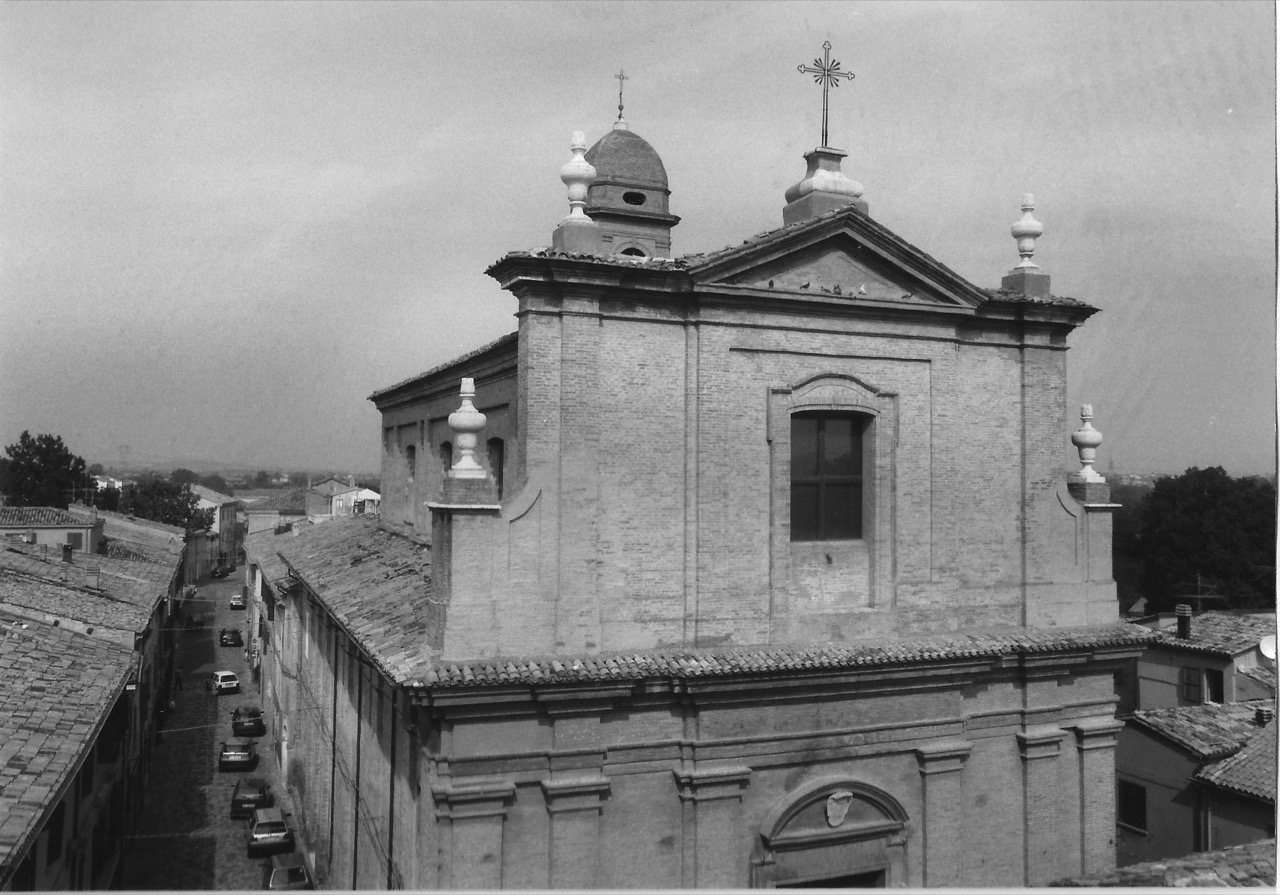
(838, 807)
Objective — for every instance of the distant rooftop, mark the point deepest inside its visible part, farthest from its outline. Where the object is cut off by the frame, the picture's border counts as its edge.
(1222, 633)
(293, 501)
(214, 497)
(37, 517)
(1208, 731)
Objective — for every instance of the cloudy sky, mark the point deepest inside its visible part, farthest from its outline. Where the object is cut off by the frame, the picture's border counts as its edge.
(222, 225)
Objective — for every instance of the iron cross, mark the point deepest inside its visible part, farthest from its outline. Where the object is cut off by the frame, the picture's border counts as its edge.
(621, 76)
(826, 73)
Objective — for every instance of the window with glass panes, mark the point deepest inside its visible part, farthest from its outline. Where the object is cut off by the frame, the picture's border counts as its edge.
(826, 476)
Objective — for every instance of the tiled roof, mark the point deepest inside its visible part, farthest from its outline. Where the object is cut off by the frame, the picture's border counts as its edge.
(293, 501)
(510, 338)
(1209, 731)
(160, 528)
(1239, 865)
(1264, 676)
(56, 689)
(136, 582)
(1251, 771)
(992, 644)
(37, 517)
(376, 583)
(1223, 633)
(332, 486)
(48, 601)
(259, 547)
(215, 497)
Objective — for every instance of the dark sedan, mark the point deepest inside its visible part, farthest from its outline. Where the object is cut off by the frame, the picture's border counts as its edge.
(250, 794)
(246, 721)
(230, 637)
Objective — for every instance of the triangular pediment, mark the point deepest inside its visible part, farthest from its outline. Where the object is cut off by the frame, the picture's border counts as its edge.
(842, 254)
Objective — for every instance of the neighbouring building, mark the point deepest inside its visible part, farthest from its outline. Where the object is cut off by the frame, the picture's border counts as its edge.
(1236, 865)
(50, 527)
(86, 655)
(1214, 657)
(131, 537)
(278, 511)
(707, 582)
(224, 529)
(1195, 778)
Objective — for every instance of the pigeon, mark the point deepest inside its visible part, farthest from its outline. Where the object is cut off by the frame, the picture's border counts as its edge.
(805, 286)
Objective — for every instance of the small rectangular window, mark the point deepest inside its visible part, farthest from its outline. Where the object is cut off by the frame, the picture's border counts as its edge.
(76, 540)
(1191, 686)
(1131, 805)
(1213, 686)
(53, 848)
(826, 476)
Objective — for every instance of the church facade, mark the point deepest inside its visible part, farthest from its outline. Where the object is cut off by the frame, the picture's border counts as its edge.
(745, 569)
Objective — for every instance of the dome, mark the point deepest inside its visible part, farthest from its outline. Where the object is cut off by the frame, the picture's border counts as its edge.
(624, 157)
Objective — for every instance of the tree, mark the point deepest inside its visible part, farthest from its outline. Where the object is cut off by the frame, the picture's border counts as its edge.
(216, 482)
(95, 469)
(107, 499)
(262, 479)
(166, 502)
(1204, 531)
(182, 476)
(42, 472)
(299, 479)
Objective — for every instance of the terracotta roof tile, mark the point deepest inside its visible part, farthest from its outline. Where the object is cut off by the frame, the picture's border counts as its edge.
(1209, 731)
(135, 582)
(375, 581)
(43, 740)
(1264, 676)
(293, 501)
(510, 338)
(214, 497)
(1239, 865)
(1223, 633)
(48, 601)
(36, 517)
(991, 644)
(1251, 771)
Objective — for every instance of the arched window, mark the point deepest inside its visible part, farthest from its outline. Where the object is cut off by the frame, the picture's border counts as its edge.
(446, 456)
(497, 454)
(826, 476)
(411, 460)
(633, 252)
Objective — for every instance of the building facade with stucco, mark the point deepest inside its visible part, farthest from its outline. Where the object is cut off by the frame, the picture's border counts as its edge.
(761, 567)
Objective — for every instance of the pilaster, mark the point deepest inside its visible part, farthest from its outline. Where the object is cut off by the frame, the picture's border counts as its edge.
(1040, 747)
(1096, 746)
(714, 847)
(472, 815)
(575, 801)
(942, 783)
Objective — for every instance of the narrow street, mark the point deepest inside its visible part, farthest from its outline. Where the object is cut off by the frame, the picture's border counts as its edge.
(185, 837)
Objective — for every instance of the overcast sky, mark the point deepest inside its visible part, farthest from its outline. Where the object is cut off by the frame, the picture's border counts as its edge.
(223, 225)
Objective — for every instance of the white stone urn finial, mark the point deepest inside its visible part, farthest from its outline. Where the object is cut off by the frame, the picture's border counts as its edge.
(1025, 230)
(466, 422)
(578, 174)
(1086, 439)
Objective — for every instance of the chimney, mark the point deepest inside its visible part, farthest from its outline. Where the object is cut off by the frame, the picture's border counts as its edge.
(351, 481)
(93, 577)
(66, 552)
(1183, 612)
(1263, 717)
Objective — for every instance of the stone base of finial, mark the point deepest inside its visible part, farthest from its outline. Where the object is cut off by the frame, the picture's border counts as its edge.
(469, 491)
(813, 204)
(1087, 491)
(1031, 282)
(577, 235)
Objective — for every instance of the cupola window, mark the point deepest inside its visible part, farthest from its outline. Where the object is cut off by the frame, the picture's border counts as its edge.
(633, 198)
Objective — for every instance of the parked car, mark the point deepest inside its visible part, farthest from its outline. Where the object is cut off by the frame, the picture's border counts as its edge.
(223, 682)
(230, 637)
(219, 572)
(237, 601)
(266, 832)
(287, 872)
(246, 721)
(238, 754)
(250, 794)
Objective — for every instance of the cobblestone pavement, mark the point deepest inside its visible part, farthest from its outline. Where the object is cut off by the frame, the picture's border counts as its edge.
(185, 837)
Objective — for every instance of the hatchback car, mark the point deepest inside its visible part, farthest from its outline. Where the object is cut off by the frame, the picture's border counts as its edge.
(223, 682)
(230, 637)
(267, 832)
(287, 872)
(246, 721)
(238, 754)
(250, 794)
(237, 601)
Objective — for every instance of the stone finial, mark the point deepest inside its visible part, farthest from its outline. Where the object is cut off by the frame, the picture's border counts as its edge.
(1025, 230)
(466, 422)
(578, 174)
(1086, 439)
